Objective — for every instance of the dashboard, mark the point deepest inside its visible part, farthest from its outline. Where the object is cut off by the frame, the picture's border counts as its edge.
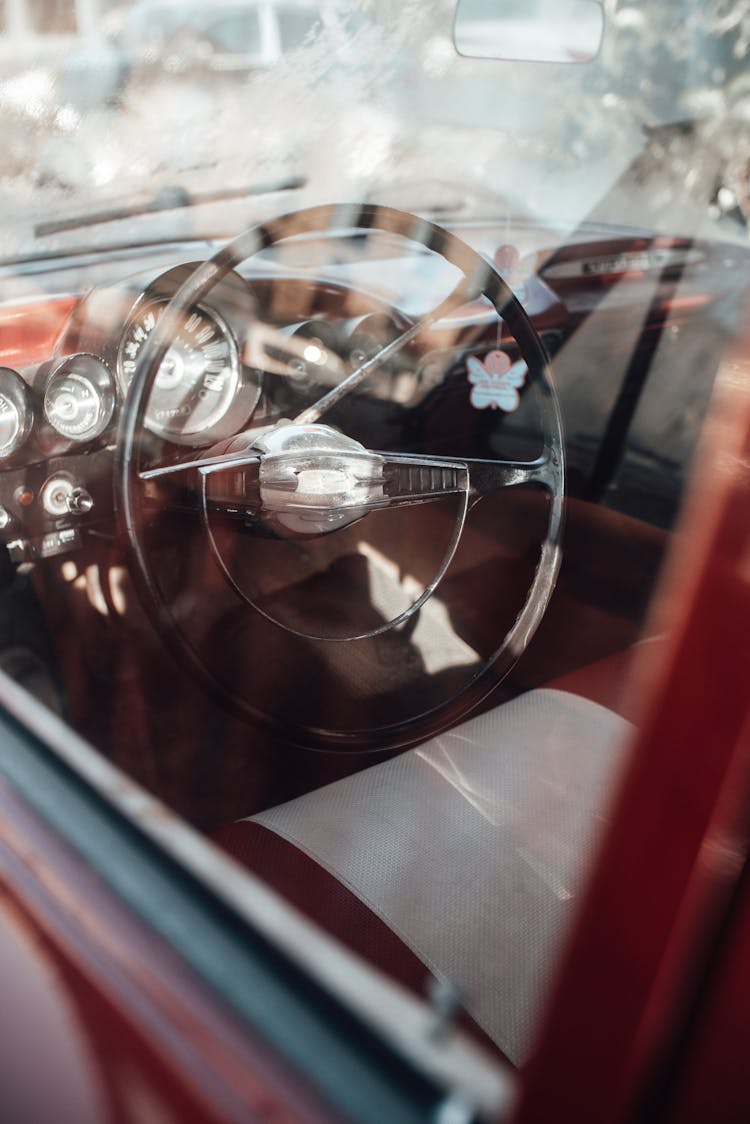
(255, 352)
(59, 418)
(267, 342)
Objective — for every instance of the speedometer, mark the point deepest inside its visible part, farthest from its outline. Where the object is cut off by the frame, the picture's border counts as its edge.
(198, 377)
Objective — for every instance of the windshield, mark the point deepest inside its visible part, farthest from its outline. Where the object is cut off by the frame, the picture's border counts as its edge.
(354, 100)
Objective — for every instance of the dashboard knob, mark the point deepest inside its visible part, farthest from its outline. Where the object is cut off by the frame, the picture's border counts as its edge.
(79, 502)
(62, 496)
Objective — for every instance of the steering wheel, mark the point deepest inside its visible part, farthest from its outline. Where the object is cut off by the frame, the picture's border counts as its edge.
(290, 488)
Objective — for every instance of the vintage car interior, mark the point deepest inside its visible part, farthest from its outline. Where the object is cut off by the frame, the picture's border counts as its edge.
(338, 536)
(244, 584)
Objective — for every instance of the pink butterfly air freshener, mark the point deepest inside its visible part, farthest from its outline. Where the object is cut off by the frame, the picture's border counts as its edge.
(495, 383)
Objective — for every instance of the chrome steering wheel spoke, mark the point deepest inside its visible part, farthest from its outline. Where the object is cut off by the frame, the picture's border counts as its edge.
(359, 572)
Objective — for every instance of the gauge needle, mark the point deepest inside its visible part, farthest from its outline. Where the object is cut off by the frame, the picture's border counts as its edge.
(465, 291)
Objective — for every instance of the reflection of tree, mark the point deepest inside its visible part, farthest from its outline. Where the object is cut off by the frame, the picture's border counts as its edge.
(59, 17)
(375, 95)
(668, 98)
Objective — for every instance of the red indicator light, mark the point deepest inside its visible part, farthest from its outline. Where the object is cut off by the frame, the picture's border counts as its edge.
(25, 497)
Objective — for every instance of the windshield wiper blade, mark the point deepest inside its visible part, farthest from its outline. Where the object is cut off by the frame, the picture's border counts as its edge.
(167, 199)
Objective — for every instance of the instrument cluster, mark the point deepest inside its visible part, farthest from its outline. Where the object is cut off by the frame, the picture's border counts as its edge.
(202, 391)
(59, 418)
(65, 405)
(257, 353)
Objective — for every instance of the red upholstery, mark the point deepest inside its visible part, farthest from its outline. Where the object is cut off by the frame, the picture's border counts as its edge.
(603, 682)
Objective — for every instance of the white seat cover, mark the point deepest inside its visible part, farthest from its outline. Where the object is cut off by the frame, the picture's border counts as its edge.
(472, 846)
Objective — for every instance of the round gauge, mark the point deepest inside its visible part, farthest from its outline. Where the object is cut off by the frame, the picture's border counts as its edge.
(15, 412)
(198, 378)
(79, 398)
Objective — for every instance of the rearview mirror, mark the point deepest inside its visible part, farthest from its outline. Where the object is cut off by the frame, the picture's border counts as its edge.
(529, 30)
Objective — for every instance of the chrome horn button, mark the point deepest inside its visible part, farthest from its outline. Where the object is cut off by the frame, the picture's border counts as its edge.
(314, 479)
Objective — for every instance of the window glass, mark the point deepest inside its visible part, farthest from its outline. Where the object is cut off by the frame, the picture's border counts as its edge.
(52, 17)
(334, 553)
(296, 24)
(239, 33)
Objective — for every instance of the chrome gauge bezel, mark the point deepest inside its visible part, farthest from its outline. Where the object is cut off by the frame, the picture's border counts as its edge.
(88, 373)
(14, 405)
(207, 427)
